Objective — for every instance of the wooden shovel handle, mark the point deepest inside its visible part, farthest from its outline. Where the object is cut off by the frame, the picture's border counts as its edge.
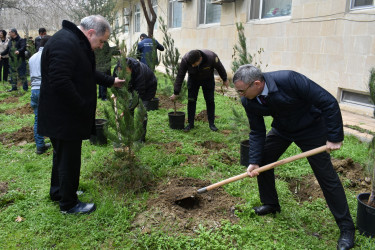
(265, 168)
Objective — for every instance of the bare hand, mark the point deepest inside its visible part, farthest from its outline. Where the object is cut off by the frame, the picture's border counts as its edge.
(250, 170)
(331, 146)
(16, 52)
(226, 83)
(173, 97)
(118, 82)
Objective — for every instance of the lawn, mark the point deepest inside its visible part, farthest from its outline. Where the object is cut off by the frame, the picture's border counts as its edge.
(29, 219)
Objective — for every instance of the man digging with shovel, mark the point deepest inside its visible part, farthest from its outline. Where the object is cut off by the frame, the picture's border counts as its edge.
(303, 113)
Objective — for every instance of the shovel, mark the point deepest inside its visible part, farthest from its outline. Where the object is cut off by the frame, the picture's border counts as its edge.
(264, 168)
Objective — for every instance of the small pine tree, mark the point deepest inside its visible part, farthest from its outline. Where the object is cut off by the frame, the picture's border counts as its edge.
(371, 165)
(170, 61)
(126, 115)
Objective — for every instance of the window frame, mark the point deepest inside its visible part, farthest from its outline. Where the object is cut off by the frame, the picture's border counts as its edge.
(171, 14)
(258, 14)
(204, 22)
(137, 17)
(351, 7)
(126, 26)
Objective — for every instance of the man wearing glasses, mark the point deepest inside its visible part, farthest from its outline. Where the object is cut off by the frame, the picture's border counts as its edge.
(303, 113)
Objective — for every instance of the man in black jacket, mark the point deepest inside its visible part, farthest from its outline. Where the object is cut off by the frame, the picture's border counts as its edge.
(200, 65)
(143, 81)
(67, 103)
(303, 113)
(17, 59)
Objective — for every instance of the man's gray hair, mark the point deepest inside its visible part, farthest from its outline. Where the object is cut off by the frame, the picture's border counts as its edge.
(96, 22)
(247, 74)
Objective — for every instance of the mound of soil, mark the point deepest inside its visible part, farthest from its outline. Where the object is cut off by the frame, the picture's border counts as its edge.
(170, 147)
(10, 99)
(351, 175)
(167, 104)
(177, 207)
(20, 137)
(24, 110)
(217, 146)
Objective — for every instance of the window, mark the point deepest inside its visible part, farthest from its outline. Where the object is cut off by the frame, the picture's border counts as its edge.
(175, 14)
(361, 4)
(117, 21)
(126, 20)
(356, 98)
(155, 7)
(137, 18)
(260, 9)
(209, 13)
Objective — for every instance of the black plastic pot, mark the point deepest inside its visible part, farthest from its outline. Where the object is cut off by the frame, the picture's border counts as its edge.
(365, 216)
(244, 153)
(176, 120)
(100, 138)
(153, 104)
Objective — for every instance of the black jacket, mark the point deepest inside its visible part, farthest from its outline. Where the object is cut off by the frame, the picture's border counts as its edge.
(67, 100)
(20, 46)
(300, 108)
(202, 74)
(142, 80)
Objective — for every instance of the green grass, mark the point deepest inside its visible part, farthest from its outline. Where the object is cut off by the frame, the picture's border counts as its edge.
(307, 225)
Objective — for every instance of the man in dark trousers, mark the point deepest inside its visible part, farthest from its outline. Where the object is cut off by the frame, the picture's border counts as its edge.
(67, 103)
(17, 62)
(200, 65)
(143, 81)
(147, 51)
(303, 113)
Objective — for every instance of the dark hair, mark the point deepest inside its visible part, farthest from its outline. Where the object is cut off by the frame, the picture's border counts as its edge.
(143, 35)
(42, 30)
(44, 40)
(4, 33)
(193, 56)
(14, 30)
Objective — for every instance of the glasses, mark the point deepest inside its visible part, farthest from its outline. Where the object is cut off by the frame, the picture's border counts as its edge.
(242, 91)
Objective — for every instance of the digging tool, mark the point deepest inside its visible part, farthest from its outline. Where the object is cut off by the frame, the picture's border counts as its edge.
(264, 168)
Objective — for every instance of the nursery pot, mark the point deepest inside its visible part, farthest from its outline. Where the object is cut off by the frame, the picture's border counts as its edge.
(100, 137)
(365, 216)
(153, 104)
(176, 120)
(244, 153)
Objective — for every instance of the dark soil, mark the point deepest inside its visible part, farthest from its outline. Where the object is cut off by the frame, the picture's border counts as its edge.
(351, 175)
(3, 188)
(178, 209)
(167, 104)
(24, 110)
(20, 137)
(10, 99)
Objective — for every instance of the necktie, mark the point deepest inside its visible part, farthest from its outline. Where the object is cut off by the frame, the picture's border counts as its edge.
(262, 99)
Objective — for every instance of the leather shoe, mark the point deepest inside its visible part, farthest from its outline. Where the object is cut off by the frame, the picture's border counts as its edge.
(213, 127)
(267, 209)
(346, 240)
(43, 149)
(188, 128)
(81, 208)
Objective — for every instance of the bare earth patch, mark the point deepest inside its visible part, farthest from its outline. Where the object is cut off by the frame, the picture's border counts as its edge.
(178, 209)
(351, 175)
(20, 137)
(24, 110)
(10, 99)
(3, 188)
(167, 104)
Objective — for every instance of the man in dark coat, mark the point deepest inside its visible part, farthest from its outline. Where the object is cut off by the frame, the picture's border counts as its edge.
(200, 65)
(67, 103)
(38, 39)
(147, 51)
(303, 113)
(17, 63)
(143, 81)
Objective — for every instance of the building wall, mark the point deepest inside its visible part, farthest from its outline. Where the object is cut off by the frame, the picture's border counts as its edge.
(323, 39)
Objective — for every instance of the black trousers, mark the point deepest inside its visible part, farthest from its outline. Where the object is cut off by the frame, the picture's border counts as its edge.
(322, 167)
(66, 167)
(209, 97)
(4, 69)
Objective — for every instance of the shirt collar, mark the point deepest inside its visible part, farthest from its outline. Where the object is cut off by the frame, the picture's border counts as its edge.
(265, 90)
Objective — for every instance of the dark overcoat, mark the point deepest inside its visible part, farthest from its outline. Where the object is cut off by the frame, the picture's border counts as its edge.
(67, 100)
(301, 109)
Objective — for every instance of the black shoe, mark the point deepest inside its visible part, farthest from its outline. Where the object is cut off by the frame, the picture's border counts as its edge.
(267, 209)
(346, 240)
(81, 208)
(43, 149)
(213, 127)
(10, 90)
(188, 128)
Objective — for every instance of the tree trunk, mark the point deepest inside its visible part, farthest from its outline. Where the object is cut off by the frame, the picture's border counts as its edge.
(150, 17)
